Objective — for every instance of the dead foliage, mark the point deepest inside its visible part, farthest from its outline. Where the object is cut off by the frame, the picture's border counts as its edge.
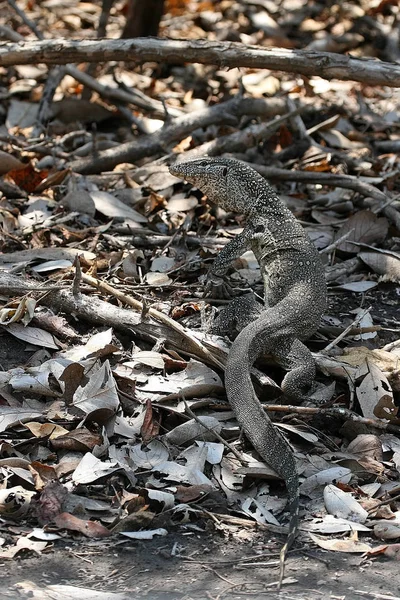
(113, 420)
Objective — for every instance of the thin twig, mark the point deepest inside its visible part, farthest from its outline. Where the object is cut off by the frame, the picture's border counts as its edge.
(217, 435)
(346, 331)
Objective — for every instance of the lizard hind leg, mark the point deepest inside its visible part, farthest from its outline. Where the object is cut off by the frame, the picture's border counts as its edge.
(297, 360)
(234, 317)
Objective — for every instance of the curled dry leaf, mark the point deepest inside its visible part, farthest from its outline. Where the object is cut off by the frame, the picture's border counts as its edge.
(384, 263)
(151, 423)
(49, 430)
(349, 545)
(42, 474)
(90, 529)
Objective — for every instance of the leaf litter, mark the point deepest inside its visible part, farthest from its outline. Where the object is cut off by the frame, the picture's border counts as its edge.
(97, 409)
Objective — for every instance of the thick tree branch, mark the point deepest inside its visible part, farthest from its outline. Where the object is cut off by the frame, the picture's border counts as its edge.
(327, 65)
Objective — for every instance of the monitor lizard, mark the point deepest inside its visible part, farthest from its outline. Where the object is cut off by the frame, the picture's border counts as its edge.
(295, 298)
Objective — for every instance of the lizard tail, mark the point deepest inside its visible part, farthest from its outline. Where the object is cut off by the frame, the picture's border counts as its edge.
(251, 342)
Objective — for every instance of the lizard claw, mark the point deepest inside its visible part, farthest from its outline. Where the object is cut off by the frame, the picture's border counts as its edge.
(217, 287)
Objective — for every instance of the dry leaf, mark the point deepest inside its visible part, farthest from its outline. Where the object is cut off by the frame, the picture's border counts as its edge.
(368, 229)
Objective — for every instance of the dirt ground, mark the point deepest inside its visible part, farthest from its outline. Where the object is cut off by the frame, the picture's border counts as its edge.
(195, 566)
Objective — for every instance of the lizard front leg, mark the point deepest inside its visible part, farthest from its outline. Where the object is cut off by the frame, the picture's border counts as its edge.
(216, 286)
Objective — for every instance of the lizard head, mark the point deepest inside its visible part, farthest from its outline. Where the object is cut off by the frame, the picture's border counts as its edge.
(223, 180)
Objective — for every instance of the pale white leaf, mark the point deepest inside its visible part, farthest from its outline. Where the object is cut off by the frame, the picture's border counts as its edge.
(99, 392)
(157, 279)
(254, 509)
(150, 358)
(52, 265)
(144, 535)
(110, 206)
(33, 335)
(342, 504)
(215, 451)
(166, 499)
(312, 483)
(91, 468)
(10, 415)
(358, 286)
(191, 430)
(93, 347)
(330, 524)
(149, 456)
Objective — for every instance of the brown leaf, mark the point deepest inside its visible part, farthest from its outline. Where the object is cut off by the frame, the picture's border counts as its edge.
(27, 178)
(79, 440)
(8, 162)
(192, 492)
(42, 474)
(72, 377)
(91, 529)
(151, 424)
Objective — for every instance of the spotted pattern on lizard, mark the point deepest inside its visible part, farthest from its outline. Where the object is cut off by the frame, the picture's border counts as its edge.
(295, 298)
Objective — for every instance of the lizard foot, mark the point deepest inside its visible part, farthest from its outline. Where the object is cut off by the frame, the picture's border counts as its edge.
(217, 287)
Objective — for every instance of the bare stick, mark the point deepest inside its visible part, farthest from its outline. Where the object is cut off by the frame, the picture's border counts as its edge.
(156, 314)
(327, 65)
(346, 331)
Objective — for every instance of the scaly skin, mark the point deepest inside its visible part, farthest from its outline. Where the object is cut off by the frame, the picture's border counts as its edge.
(295, 298)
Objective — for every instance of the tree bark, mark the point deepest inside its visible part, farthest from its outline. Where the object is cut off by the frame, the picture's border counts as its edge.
(143, 18)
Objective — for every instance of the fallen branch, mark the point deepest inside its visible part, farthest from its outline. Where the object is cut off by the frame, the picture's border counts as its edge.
(227, 112)
(327, 65)
(97, 311)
